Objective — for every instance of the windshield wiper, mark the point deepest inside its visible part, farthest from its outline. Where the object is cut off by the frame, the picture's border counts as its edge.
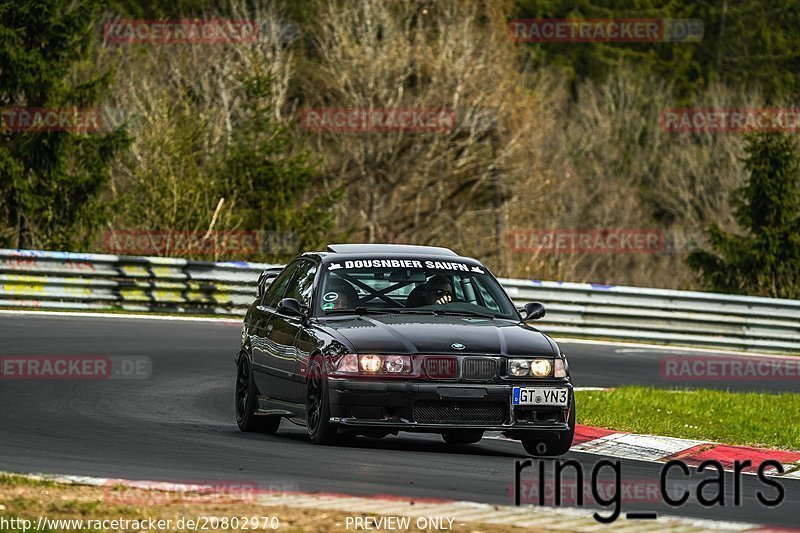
(463, 313)
(405, 311)
(356, 311)
(379, 311)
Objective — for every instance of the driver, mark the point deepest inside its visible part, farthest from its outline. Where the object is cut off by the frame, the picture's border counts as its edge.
(437, 290)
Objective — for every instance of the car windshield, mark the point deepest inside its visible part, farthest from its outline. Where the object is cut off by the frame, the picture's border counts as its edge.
(411, 286)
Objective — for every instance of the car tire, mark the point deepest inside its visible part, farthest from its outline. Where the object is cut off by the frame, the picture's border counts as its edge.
(552, 445)
(463, 437)
(247, 402)
(318, 409)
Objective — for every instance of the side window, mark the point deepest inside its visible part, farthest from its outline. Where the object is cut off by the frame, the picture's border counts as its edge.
(278, 287)
(302, 283)
(488, 300)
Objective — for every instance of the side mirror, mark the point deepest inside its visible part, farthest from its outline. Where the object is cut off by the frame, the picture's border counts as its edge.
(532, 311)
(290, 307)
(263, 280)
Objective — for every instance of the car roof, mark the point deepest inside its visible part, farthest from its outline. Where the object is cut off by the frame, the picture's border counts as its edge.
(338, 252)
(404, 249)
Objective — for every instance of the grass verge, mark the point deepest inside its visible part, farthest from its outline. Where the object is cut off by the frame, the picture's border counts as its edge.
(26, 498)
(740, 418)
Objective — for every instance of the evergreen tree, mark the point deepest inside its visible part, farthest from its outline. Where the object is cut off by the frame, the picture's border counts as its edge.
(50, 181)
(268, 179)
(747, 44)
(766, 261)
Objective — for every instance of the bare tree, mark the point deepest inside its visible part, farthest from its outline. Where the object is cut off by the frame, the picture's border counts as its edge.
(181, 102)
(457, 186)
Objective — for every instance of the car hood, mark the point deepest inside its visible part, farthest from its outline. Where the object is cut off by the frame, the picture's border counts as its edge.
(410, 334)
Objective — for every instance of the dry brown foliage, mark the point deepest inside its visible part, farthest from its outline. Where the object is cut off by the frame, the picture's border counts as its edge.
(523, 154)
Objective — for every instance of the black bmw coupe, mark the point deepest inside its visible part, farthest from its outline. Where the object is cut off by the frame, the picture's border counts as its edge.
(373, 339)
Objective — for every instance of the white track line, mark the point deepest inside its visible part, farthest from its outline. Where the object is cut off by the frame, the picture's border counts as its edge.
(126, 316)
(662, 347)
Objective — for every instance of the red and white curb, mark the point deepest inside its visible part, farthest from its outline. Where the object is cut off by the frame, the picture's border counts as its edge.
(693, 452)
(461, 512)
(653, 448)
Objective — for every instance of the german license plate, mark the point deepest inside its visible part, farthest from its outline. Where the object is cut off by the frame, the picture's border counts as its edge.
(548, 396)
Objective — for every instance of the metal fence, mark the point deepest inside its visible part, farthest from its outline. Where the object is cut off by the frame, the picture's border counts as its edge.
(61, 280)
(663, 316)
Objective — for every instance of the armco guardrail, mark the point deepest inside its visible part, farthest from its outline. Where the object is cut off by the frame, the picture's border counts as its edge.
(61, 280)
(663, 316)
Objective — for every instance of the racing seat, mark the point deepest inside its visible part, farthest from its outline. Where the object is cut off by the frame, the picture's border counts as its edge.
(416, 298)
(346, 294)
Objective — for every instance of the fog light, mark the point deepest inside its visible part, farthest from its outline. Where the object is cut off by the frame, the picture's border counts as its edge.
(541, 368)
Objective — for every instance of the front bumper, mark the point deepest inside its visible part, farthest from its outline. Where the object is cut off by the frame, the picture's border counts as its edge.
(435, 407)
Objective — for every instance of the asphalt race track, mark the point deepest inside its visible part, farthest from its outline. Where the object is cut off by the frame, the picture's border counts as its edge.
(178, 425)
(603, 365)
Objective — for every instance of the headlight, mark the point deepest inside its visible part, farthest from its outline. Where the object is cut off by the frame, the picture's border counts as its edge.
(519, 367)
(370, 363)
(373, 364)
(396, 363)
(541, 368)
